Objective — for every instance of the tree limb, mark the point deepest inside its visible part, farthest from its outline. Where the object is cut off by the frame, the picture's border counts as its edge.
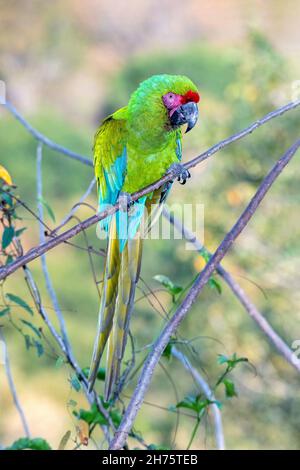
(240, 294)
(57, 240)
(163, 339)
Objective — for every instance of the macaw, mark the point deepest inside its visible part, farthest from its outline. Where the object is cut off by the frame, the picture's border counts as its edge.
(134, 147)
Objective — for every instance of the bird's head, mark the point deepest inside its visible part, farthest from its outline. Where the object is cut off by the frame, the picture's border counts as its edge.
(161, 104)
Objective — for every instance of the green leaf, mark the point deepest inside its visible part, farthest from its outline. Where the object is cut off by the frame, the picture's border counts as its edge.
(92, 416)
(8, 235)
(222, 359)
(17, 300)
(20, 231)
(59, 362)
(5, 311)
(172, 288)
(47, 207)
(194, 403)
(229, 388)
(74, 381)
(168, 350)
(64, 440)
(214, 284)
(32, 327)
(100, 374)
(72, 403)
(34, 444)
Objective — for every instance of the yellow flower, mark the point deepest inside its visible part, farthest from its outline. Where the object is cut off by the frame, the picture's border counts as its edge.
(5, 176)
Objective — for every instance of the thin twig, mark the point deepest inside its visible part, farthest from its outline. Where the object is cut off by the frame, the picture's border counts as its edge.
(45, 140)
(204, 387)
(48, 281)
(69, 216)
(13, 387)
(239, 293)
(201, 280)
(43, 248)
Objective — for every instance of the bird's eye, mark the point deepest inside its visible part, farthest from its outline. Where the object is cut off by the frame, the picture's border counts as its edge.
(170, 95)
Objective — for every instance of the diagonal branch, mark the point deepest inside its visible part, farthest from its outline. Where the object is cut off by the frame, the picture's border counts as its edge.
(44, 247)
(250, 308)
(163, 339)
(45, 140)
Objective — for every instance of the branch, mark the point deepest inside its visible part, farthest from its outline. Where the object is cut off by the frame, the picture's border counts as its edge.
(204, 387)
(163, 339)
(44, 247)
(250, 308)
(12, 386)
(92, 397)
(45, 140)
(48, 281)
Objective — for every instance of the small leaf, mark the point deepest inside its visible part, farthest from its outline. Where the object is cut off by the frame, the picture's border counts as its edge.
(168, 350)
(172, 288)
(20, 231)
(59, 362)
(32, 327)
(72, 403)
(92, 416)
(47, 207)
(8, 235)
(33, 444)
(100, 374)
(17, 300)
(5, 311)
(75, 383)
(64, 440)
(229, 388)
(222, 359)
(214, 284)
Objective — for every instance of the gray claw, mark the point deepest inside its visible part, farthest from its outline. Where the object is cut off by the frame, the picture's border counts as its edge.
(180, 172)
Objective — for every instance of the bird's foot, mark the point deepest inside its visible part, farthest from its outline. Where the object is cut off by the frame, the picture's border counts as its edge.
(125, 201)
(180, 172)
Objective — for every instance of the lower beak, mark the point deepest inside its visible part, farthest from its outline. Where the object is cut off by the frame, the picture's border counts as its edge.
(185, 114)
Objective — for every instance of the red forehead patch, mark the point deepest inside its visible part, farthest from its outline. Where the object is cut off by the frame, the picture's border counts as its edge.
(191, 96)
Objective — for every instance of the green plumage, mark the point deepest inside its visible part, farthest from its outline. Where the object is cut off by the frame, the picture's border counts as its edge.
(133, 147)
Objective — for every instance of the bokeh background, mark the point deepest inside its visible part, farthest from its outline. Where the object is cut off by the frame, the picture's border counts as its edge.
(66, 65)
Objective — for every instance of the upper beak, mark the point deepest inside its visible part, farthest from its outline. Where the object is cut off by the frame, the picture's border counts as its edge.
(185, 114)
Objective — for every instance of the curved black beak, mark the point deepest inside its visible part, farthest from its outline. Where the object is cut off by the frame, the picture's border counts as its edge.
(185, 114)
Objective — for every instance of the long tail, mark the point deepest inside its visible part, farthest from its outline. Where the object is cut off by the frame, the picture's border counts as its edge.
(122, 271)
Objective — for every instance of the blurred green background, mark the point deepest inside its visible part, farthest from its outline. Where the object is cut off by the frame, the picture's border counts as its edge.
(66, 65)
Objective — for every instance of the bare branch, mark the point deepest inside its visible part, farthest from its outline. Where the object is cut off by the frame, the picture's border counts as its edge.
(63, 237)
(250, 308)
(12, 386)
(204, 387)
(48, 281)
(163, 339)
(45, 140)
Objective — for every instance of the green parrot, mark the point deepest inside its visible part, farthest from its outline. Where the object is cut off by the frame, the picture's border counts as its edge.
(134, 147)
